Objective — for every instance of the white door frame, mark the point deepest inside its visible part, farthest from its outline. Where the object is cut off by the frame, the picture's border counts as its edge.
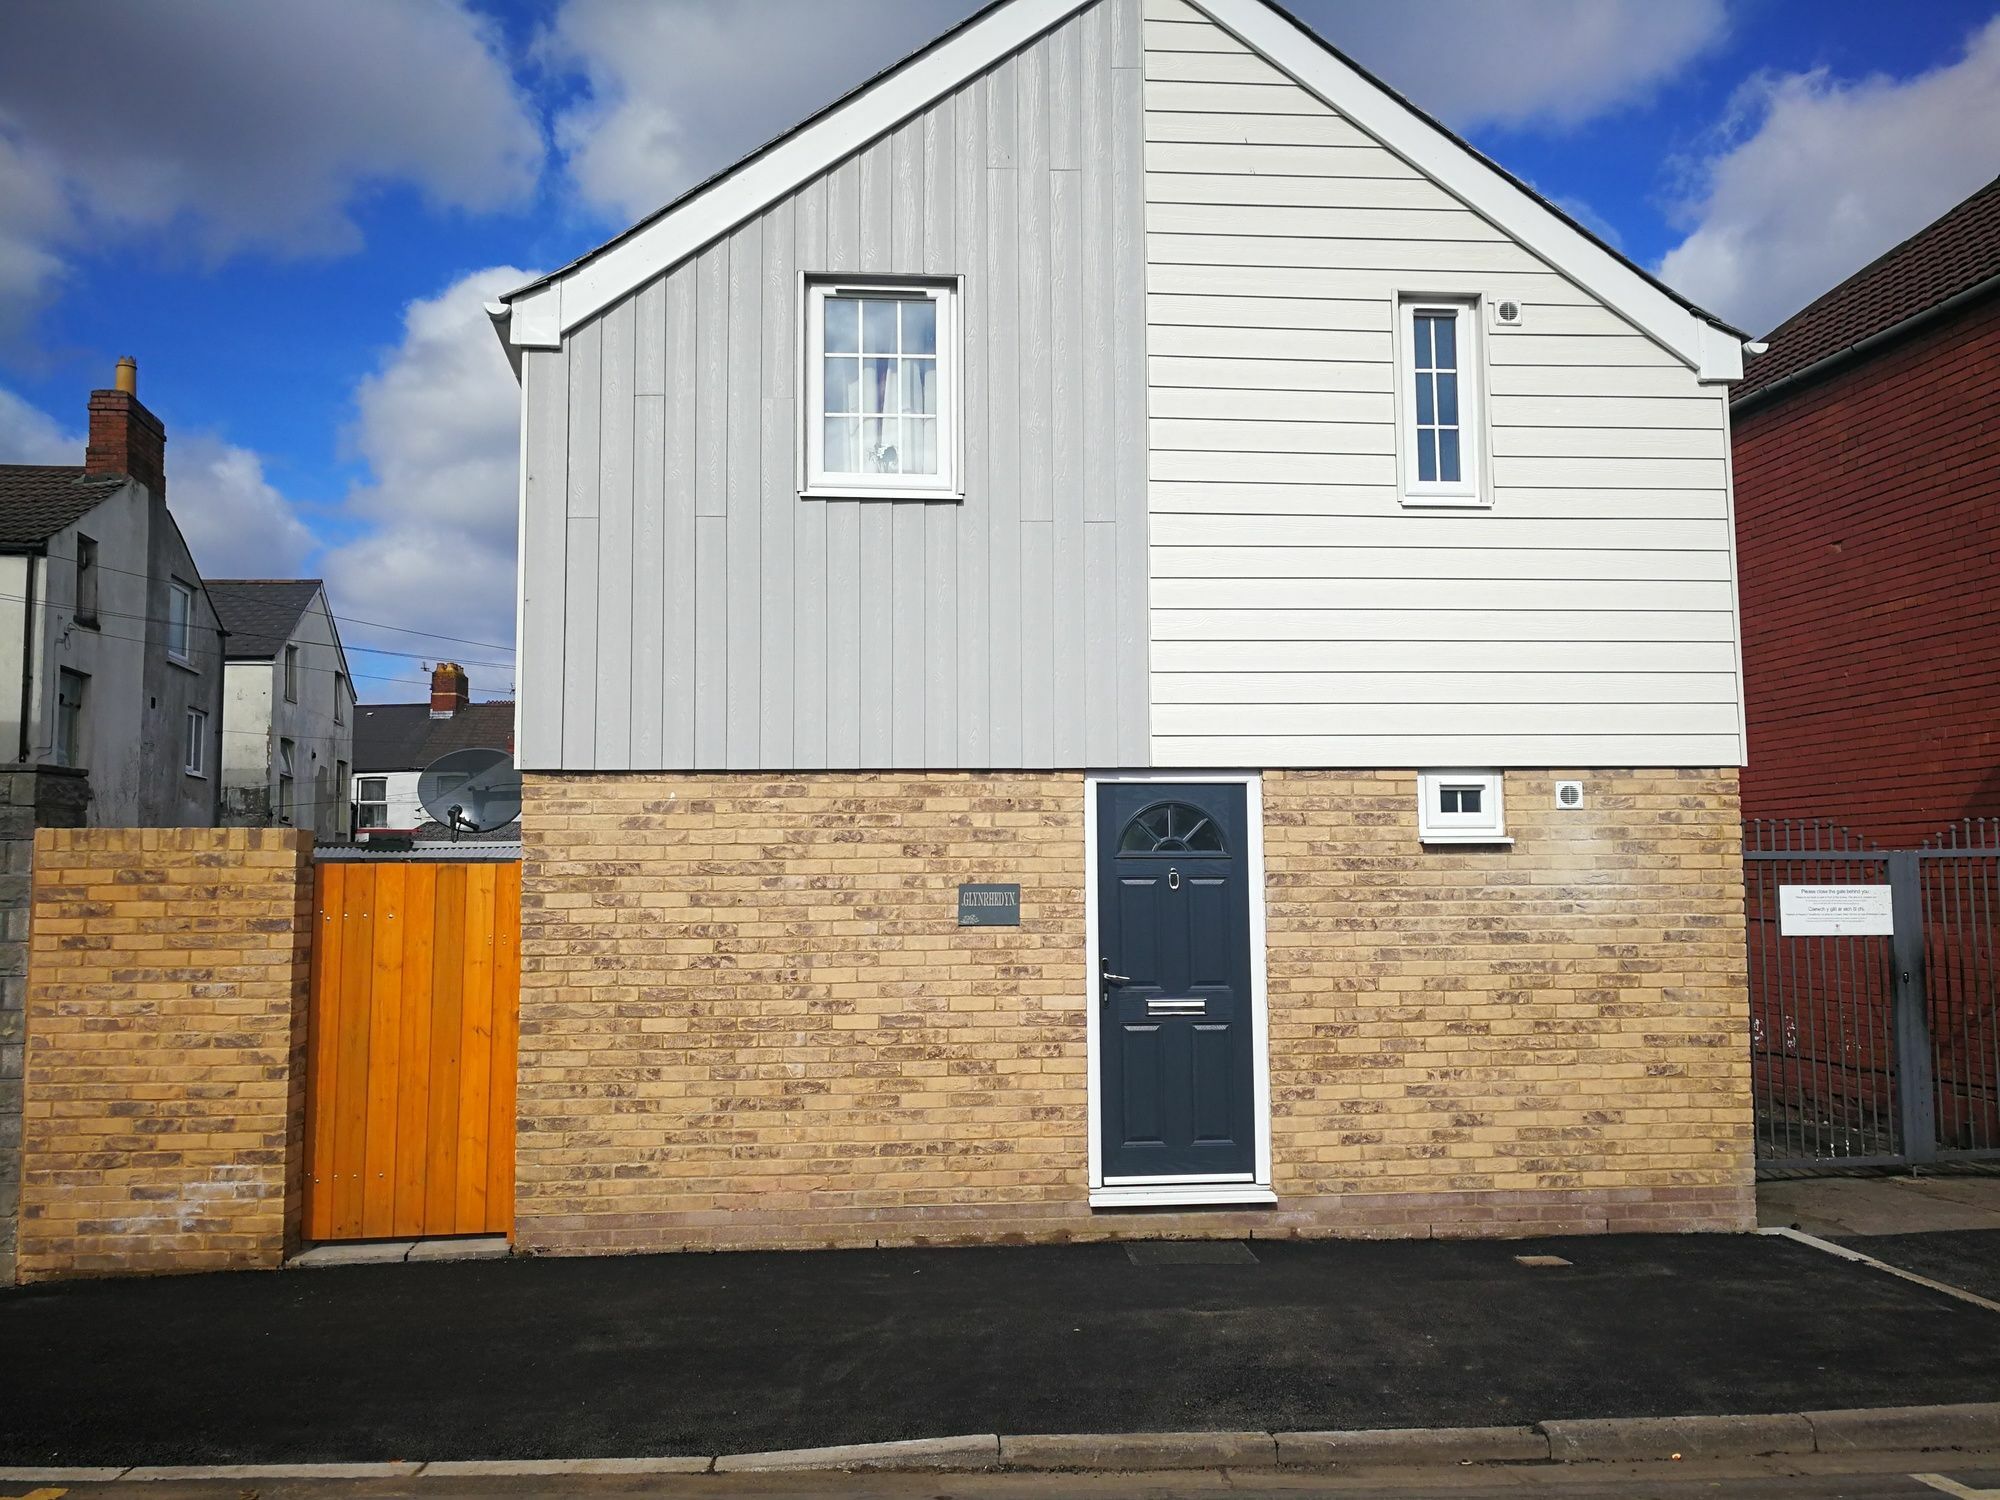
(1155, 1192)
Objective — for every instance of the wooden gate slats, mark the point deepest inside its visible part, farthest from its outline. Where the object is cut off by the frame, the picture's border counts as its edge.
(411, 1050)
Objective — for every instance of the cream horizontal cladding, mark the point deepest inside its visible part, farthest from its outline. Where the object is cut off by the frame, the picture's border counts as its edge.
(682, 606)
(1301, 614)
(750, 1019)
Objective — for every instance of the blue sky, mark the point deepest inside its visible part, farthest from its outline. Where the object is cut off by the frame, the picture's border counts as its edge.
(290, 213)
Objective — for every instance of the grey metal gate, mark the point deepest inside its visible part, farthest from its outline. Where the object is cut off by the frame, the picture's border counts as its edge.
(1876, 1050)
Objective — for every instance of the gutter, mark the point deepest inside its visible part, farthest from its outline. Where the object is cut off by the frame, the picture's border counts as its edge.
(1840, 359)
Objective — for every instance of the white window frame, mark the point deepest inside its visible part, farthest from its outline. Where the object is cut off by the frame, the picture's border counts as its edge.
(180, 634)
(1436, 826)
(814, 481)
(1469, 489)
(361, 802)
(194, 760)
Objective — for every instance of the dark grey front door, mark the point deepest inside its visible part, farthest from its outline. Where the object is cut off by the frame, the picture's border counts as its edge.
(1174, 980)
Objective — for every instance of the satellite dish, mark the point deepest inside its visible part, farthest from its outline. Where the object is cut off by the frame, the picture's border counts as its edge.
(471, 791)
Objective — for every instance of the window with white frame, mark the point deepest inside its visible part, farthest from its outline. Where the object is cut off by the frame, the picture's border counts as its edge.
(194, 756)
(288, 751)
(371, 802)
(1438, 372)
(881, 389)
(1460, 807)
(180, 621)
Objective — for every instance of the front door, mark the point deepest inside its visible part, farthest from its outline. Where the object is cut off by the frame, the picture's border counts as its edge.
(1174, 998)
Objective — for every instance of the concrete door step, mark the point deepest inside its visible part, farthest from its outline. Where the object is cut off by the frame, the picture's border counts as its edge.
(385, 1252)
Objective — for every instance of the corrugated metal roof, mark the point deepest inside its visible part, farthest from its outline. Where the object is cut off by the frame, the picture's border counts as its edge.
(38, 500)
(1946, 257)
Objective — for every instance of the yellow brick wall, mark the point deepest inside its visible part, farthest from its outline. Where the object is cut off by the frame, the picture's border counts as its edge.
(166, 1016)
(748, 1016)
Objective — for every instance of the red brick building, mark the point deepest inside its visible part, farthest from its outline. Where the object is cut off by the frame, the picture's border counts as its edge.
(1867, 467)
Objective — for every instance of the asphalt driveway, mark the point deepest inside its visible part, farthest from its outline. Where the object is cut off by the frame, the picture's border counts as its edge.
(701, 1354)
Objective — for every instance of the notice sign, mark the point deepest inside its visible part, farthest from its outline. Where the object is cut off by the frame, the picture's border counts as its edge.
(989, 906)
(1834, 911)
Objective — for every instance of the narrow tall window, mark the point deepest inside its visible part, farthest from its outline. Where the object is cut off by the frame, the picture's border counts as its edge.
(1440, 391)
(291, 674)
(343, 825)
(70, 690)
(287, 781)
(194, 758)
(86, 581)
(340, 704)
(180, 622)
(880, 390)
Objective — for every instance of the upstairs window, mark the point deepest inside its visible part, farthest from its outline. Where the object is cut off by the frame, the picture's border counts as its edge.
(881, 390)
(371, 802)
(86, 580)
(180, 622)
(291, 674)
(1438, 371)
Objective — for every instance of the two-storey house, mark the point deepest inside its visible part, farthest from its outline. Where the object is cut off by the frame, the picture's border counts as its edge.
(1122, 635)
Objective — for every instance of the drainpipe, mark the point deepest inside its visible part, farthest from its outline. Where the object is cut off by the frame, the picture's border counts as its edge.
(27, 654)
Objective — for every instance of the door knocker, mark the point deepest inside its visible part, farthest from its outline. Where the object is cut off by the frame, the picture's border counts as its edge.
(1173, 878)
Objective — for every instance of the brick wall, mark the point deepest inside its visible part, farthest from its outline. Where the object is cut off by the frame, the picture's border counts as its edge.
(1865, 508)
(165, 1039)
(748, 1016)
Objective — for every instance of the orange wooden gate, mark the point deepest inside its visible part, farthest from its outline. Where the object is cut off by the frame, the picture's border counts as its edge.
(416, 987)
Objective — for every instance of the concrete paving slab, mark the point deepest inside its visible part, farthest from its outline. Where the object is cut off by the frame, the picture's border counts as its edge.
(530, 1468)
(1907, 1429)
(481, 1247)
(369, 1253)
(1836, 1206)
(944, 1455)
(1652, 1438)
(1413, 1445)
(1135, 1451)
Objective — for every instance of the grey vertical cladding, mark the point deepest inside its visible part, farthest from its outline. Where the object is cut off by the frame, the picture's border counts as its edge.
(683, 608)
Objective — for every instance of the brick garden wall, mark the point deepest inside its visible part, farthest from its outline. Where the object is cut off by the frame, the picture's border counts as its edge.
(166, 1014)
(748, 1016)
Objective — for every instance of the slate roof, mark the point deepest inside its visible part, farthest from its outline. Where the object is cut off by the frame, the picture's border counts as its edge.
(1939, 261)
(38, 500)
(404, 736)
(260, 613)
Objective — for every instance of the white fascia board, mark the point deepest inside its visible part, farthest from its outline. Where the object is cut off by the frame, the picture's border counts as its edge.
(1712, 352)
(543, 315)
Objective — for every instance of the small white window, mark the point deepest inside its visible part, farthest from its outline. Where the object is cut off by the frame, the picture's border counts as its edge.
(371, 802)
(195, 759)
(1460, 807)
(881, 390)
(180, 622)
(1438, 380)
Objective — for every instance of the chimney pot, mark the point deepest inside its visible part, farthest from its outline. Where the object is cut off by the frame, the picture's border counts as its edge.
(126, 378)
(450, 690)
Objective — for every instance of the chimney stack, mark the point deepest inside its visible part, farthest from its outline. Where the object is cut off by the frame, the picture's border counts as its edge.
(125, 438)
(450, 691)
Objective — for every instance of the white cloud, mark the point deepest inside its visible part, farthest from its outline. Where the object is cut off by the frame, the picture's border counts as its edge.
(678, 89)
(1528, 63)
(1815, 176)
(29, 435)
(235, 521)
(239, 126)
(438, 425)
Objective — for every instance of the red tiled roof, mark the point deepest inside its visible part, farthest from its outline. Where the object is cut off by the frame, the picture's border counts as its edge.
(1949, 255)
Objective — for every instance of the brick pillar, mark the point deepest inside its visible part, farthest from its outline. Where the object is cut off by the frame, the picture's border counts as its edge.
(166, 1020)
(30, 797)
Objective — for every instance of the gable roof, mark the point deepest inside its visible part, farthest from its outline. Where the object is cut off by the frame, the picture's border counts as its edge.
(1949, 256)
(404, 736)
(38, 500)
(260, 614)
(538, 314)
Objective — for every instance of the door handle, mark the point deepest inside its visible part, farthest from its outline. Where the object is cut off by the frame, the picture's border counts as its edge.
(1106, 979)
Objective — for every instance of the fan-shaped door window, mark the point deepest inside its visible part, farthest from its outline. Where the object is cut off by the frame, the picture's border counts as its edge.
(1171, 828)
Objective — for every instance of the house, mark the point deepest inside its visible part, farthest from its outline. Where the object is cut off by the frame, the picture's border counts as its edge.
(111, 644)
(395, 742)
(288, 707)
(1866, 441)
(1123, 636)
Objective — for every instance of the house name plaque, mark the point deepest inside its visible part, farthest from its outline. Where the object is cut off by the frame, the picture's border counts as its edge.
(989, 906)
